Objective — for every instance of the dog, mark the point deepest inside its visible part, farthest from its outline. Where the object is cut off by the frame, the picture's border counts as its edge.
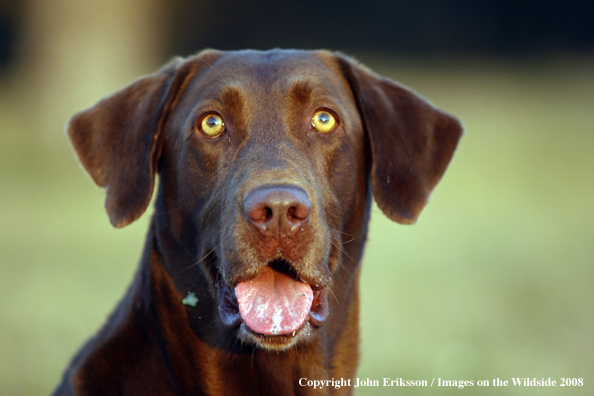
(268, 162)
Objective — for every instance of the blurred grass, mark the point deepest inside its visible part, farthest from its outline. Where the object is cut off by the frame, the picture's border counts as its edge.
(495, 280)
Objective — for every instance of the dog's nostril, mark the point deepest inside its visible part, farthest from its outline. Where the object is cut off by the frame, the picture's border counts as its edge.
(258, 212)
(268, 215)
(298, 212)
(274, 209)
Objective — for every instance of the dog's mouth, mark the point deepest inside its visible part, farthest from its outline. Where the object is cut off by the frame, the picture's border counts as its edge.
(275, 310)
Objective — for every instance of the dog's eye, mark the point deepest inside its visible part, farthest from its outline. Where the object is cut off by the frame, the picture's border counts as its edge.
(212, 125)
(324, 121)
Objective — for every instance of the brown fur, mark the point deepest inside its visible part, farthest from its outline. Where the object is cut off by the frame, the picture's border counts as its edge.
(389, 142)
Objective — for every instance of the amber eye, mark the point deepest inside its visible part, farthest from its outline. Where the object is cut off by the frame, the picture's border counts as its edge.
(212, 125)
(324, 121)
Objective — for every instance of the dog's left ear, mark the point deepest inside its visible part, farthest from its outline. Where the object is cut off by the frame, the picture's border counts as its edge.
(411, 141)
(117, 141)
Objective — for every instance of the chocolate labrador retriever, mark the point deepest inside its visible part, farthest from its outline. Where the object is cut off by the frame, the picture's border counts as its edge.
(267, 161)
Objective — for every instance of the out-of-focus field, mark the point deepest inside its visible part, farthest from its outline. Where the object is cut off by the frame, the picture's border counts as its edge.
(496, 280)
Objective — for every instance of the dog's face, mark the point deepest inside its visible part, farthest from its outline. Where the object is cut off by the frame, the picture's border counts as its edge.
(266, 160)
(263, 152)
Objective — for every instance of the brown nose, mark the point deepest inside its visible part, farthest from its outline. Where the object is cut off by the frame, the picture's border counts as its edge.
(277, 209)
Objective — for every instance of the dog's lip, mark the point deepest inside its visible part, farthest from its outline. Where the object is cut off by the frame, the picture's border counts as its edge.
(228, 307)
(319, 308)
(230, 316)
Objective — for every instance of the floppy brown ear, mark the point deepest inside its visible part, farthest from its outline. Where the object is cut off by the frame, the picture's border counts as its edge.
(117, 141)
(411, 141)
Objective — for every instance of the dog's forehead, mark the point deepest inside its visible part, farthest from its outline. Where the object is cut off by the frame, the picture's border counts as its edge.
(275, 71)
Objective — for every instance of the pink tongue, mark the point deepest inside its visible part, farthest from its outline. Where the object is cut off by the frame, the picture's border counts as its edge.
(273, 303)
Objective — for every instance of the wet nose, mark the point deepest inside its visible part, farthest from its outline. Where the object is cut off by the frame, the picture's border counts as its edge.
(277, 209)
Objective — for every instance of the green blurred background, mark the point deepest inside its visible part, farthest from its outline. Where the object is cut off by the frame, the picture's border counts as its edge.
(494, 281)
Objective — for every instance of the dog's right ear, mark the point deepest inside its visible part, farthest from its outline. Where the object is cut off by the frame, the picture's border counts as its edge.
(118, 140)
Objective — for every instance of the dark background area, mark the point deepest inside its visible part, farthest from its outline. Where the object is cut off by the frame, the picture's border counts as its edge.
(425, 27)
(443, 27)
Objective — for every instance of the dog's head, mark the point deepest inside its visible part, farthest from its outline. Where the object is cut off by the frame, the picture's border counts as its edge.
(266, 163)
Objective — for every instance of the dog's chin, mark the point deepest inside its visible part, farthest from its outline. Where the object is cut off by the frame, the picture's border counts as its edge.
(276, 342)
(230, 316)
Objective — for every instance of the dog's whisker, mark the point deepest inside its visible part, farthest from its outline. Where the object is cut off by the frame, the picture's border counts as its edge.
(215, 69)
(343, 267)
(203, 257)
(330, 290)
(209, 253)
(345, 253)
(345, 233)
(353, 237)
